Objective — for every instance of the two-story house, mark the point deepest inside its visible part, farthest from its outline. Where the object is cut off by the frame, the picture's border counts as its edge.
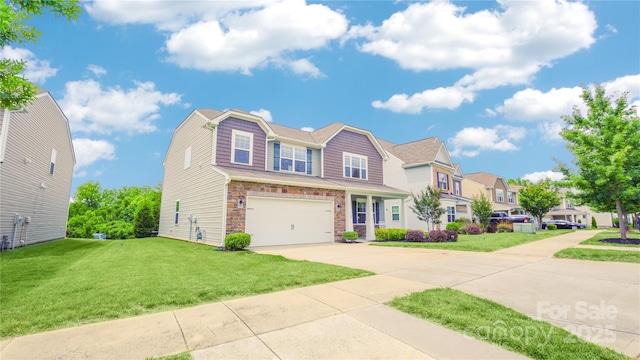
(567, 210)
(232, 171)
(36, 167)
(414, 166)
(503, 197)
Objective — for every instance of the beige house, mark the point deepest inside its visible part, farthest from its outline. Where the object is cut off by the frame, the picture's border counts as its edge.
(567, 210)
(36, 167)
(503, 197)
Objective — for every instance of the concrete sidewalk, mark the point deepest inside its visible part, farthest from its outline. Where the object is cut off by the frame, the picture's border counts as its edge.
(341, 320)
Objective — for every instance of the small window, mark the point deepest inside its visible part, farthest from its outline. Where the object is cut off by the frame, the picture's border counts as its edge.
(500, 195)
(242, 147)
(451, 214)
(52, 165)
(443, 181)
(355, 166)
(456, 187)
(177, 212)
(395, 213)
(510, 197)
(187, 157)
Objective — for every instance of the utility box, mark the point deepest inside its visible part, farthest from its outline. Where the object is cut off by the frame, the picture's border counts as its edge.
(100, 236)
(527, 228)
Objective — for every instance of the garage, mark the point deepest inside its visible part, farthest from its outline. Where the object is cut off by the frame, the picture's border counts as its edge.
(272, 221)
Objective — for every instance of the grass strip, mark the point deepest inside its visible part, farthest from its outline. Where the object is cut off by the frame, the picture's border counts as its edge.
(481, 243)
(611, 234)
(182, 356)
(496, 324)
(73, 282)
(599, 255)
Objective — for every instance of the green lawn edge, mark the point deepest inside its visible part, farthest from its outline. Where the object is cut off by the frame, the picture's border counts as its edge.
(625, 256)
(611, 234)
(496, 324)
(71, 282)
(480, 243)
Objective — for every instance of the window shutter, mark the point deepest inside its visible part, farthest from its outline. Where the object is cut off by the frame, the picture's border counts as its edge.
(377, 213)
(276, 156)
(354, 209)
(309, 155)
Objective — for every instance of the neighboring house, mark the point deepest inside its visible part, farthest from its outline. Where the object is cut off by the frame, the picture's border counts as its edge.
(568, 211)
(414, 166)
(36, 167)
(231, 171)
(503, 197)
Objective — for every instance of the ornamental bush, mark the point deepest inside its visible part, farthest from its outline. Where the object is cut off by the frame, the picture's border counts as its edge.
(396, 234)
(455, 226)
(237, 241)
(415, 236)
(504, 226)
(463, 220)
(594, 223)
(382, 234)
(350, 236)
(473, 229)
(492, 228)
(438, 236)
(552, 226)
(452, 236)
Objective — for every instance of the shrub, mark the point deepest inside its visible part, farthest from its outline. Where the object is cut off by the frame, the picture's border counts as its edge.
(473, 229)
(594, 223)
(463, 220)
(415, 236)
(504, 226)
(452, 236)
(237, 241)
(438, 236)
(396, 234)
(552, 226)
(143, 223)
(382, 234)
(492, 228)
(454, 226)
(350, 236)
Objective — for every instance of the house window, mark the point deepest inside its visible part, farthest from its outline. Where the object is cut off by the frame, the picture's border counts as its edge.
(361, 212)
(293, 159)
(395, 213)
(451, 214)
(355, 166)
(242, 147)
(177, 212)
(52, 165)
(456, 187)
(187, 157)
(500, 195)
(569, 206)
(510, 198)
(443, 181)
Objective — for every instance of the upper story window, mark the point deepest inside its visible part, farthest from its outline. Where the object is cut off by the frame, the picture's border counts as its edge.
(242, 147)
(291, 158)
(510, 198)
(499, 195)
(457, 188)
(187, 157)
(569, 206)
(52, 165)
(355, 166)
(443, 181)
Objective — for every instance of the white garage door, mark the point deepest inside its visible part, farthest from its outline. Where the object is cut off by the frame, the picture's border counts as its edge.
(287, 221)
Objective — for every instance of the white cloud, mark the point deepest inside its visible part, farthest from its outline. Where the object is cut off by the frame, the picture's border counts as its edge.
(447, 98)
(550, 131)
(91, 108)
(540, 175)
(629, 84)
(306, 128)
(37, 71)
(89, 151)
(97, 70)
(469, 142)
(264, 114)
(506, 46)
(232, 35)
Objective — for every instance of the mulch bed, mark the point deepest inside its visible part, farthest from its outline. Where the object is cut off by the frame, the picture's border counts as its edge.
(620, 241)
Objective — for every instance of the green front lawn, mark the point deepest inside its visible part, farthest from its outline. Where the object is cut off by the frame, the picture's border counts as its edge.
(611, 234)
(496, 324)
(483, 242)
(72, 282)
(600, 255)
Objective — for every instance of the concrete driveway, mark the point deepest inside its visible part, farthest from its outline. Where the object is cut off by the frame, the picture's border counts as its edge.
(599, 301)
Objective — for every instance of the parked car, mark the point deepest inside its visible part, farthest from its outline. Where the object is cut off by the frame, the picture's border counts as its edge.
(564, 224)
(497, 217)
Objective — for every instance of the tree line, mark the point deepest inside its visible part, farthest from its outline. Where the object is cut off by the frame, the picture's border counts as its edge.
(118, 213)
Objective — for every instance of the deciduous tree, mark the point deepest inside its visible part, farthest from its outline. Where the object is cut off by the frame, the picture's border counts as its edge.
(481, 207)
(539, 198)
(426, 205)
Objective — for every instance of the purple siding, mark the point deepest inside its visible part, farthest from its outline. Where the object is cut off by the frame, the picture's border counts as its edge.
(224, 145)
(358, 144)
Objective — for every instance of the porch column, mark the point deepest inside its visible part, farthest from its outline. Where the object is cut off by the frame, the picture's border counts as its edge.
(371, 225)
(403, 219)
(348, 213)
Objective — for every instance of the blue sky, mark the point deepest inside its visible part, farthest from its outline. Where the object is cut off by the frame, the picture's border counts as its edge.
(490, 79)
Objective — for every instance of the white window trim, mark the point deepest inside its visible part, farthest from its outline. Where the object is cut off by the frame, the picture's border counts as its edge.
(395, 207)
(512, 199)
(52, 164)
(176, 214)
(457, 188)
(364, 201)
(451, 213)
(187, 157)
(293, 159)
(233, 146)
(361, 157)
(499, 194)
(445, 182)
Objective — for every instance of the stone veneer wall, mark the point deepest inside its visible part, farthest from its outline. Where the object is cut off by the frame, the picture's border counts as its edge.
(240, 190)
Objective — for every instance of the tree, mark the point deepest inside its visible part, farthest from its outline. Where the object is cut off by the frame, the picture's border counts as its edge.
(426, 205)
(519, 182)
(606, 147)
(481, 207)
(143, 223)
(89, 194)
(539, 198)
(15, 90)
